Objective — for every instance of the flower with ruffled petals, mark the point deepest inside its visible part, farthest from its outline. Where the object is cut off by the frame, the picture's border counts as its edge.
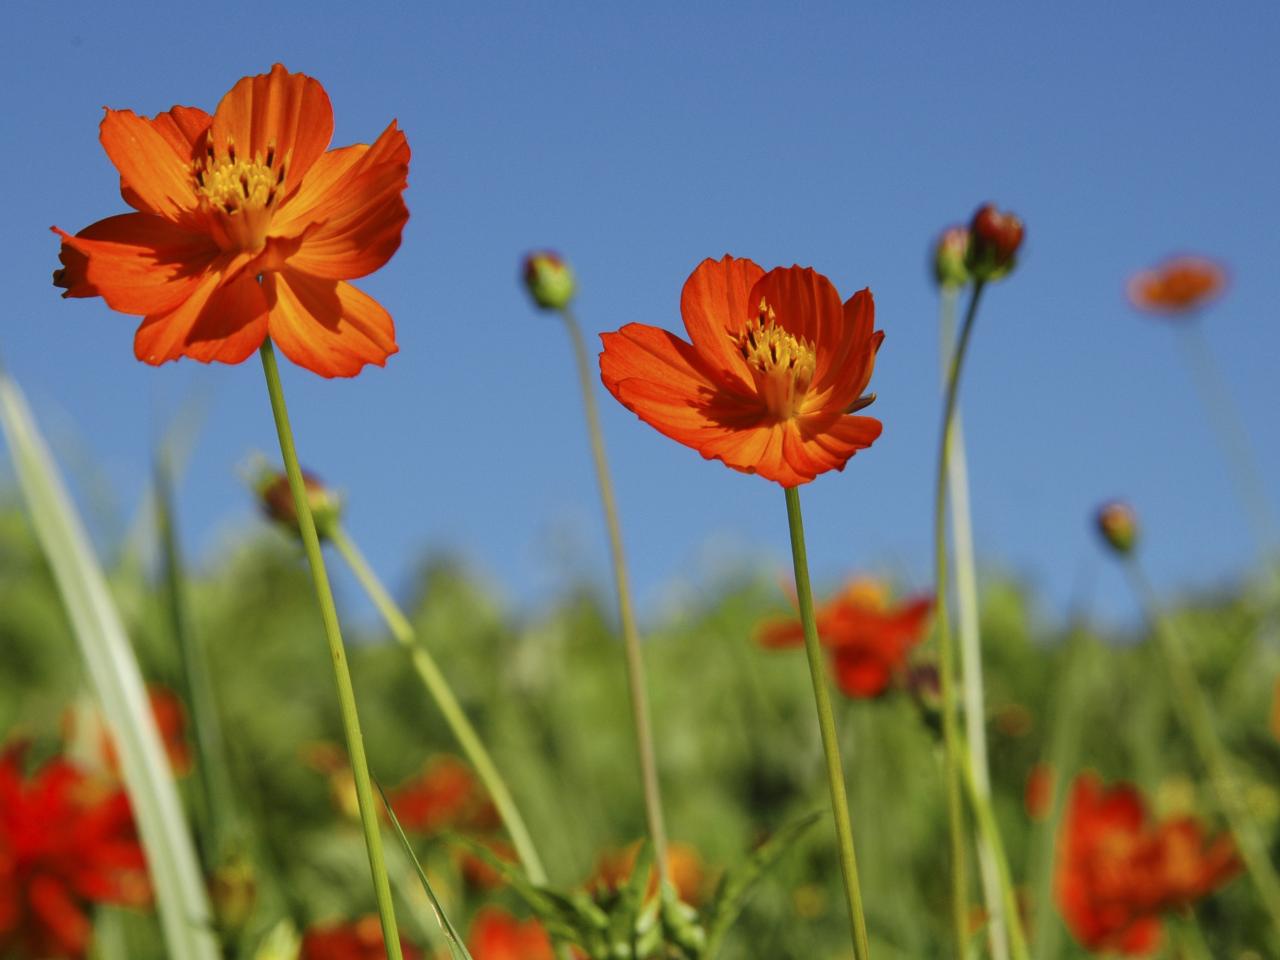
(1117, 872)
(66, 841)
(360, 940)
(246, 227)
(1177, 287)
(868, 639)
(775, 371)
(496, 935)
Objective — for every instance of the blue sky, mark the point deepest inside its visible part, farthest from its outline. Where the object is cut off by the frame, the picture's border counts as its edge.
(638, 143)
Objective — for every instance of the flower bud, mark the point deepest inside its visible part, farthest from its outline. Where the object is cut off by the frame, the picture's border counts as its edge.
(924, 684)
(1118, 525)
(276, 499)
(233, 889)
(549, 280)
(949, 255)
(994, 239)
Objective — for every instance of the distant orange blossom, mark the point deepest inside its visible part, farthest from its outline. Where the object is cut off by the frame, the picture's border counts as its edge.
(246, 227)
(1179, 285)
(775, 372)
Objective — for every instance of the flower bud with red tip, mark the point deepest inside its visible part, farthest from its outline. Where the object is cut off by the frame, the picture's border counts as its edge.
(949, 255)
(1118, 525)
(276, 499)
(994, 239)
(549, 280)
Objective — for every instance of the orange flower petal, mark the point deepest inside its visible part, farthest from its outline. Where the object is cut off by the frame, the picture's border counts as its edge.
(833, 441)
(137, 262)
(715, 303)
(184, 129)
(860, 674)
(808, 307)
(327, 326)
(288, 111)
(177, 333)
(354, 198)
(651, 353)
(780, 634)
(154, 176)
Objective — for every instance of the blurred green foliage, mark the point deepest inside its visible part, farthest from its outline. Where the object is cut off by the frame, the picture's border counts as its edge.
(737, 739)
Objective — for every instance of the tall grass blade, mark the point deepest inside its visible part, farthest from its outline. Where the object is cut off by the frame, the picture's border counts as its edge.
(180, 895)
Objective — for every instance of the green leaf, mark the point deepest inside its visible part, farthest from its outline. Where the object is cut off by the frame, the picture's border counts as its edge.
(735, 887)
(113, 670)
(457, 949)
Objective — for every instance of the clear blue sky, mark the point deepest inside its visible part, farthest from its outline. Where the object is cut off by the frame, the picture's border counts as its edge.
(639, 140)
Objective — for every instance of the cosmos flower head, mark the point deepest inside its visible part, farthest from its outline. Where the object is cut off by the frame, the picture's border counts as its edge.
(246, 226)
(1178, 287)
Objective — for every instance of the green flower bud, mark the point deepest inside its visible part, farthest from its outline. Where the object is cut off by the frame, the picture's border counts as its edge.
(1118, 525)
(549, 280)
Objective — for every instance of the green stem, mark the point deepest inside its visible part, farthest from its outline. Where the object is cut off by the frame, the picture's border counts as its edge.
(975, 712)
(626, 613)
(211, 760)
(1195, 711)
(342, 675)
(826, 724)
(434, 680)
(990, 831)
(946, 669)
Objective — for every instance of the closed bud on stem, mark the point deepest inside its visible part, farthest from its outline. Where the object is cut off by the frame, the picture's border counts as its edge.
(549, 280)
(233, 888)
(1118, 525)
(276, 499)
(949, 256)
(994, 239)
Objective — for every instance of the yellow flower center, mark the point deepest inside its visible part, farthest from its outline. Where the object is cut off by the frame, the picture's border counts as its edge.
(240, 193)
(781, 364)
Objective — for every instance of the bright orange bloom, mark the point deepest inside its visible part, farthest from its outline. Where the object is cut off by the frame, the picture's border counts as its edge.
(869, 640)
(88, 739)
(496, 935)
(684, 869)
(246, 228)
(66, 841)
(1178, 286)
(445, 796)
(1116, 873)
(776, 368)
(360, 940)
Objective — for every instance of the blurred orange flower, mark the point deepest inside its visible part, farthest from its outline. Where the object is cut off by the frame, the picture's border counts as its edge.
(88, 739)
(775, 369)
(445, 795)
(496, 935)
(1037, 797)
(246, 228)
(66, 841)
(359, 940)
(684, 869)
(1116, 872)
(868, 639)
(1178, 286)
(478, 872)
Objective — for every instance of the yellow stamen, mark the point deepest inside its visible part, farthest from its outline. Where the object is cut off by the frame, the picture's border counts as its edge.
(782, 364)
(241, 193)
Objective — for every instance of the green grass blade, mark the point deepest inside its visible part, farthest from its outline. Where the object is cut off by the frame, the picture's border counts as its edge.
(117, 681)
(457, 949)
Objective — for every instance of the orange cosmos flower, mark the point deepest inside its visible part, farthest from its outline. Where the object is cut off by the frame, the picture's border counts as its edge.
(445, 796)
(246, 228)
(85, 732)
(776, 368)
(1178, 286)
(496, 935)
(361, 940)
(868, 639)
(1116, 872)
(685, 870)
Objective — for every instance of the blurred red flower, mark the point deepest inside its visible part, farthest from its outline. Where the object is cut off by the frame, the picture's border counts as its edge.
(775, 369)
(445, 796)
(66, 841)
(1117, 872)
(359, 940)
(247, 227)
(479, 873)
(685, 870)
(868, 639)
(496, 935)
(88, 739)
(1178, 286)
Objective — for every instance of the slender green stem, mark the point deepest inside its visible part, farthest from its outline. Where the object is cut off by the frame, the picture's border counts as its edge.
(990, 831)
(626, 612)
(211, 759)
(1194, 708)
(827, 725)
(946, 667)
(434, 680)
(975, 711)
(342, 675)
